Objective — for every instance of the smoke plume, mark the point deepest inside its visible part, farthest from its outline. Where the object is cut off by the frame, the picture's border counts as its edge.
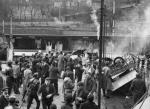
(134, 30)
(94, 19)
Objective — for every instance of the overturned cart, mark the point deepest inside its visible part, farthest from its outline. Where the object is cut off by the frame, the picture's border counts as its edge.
(123, 71)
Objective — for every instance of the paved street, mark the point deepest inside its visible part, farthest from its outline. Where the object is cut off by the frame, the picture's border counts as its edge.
(116, 102)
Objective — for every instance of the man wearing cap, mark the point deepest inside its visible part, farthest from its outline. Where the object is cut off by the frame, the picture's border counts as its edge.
(9, 80)
(12, 103)
(4, 98)
(48, 91)
(80, 95)
(54, 75)
(33, 87)
(44, 70)
(89, 104)
(68, 73)
(68, 103)
(90, 83)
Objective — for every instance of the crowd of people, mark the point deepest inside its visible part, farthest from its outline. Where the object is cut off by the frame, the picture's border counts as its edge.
(39, 76)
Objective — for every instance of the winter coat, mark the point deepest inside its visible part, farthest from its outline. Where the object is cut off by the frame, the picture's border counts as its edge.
(67, 106)
(60, 63)
(3, 102)
(88, 105)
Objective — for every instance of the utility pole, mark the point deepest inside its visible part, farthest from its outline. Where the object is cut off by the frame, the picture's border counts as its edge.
(100, 51)
(113, 23)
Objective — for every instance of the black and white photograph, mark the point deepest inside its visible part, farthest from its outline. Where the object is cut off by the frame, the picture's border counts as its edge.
(74, 54)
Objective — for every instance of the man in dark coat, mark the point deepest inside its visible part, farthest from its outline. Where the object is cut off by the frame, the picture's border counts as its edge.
(138, 88)
(54, 75)
(89, 104)
(68, 103)
(79, 71)
(90, 83)
(45, 70)
(48, 91)
(80, 95)
(4, 98)
(68, 73)
(33, 87)
(9, 80)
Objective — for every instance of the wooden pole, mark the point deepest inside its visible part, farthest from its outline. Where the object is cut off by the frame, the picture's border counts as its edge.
(100, 52)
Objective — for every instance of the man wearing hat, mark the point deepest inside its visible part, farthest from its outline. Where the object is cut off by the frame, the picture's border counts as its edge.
(12, 103)
(54, 75)
(4, 98)
(68, 103)
(48, 91)
(89, 104)
(33, 87)
(80, 95)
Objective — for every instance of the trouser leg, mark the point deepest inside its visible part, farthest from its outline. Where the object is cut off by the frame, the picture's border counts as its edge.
(55, 82)
(10, 89)
(37, 102)
(44, 104)
(29, 101)
(49, 106)
(56, 85)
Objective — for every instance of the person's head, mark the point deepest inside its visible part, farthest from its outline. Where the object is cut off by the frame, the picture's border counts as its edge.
(139, 76)
(106, 70)
(80, 85)
(5, 92)
(53, 106)
(46, 55)
(53, 63)
(23, 55)
(27, 66)
(52, 54)
(12, 100)
(16, 62)
(9, 63)
(90, 98)
(47, 80)
(68, 68)
(35, 75)
(9, 72)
